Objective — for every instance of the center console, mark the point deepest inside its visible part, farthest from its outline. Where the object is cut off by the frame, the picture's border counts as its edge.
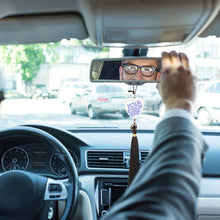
(108, 192)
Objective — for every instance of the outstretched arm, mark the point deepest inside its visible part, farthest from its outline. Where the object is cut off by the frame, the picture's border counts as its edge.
(167, 184)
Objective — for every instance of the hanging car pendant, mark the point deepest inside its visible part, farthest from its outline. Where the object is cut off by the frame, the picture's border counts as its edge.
(134, 107)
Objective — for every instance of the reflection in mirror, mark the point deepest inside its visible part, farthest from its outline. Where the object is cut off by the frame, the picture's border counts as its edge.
(126, 70)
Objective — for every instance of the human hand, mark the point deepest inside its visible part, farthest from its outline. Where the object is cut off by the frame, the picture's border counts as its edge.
(177, 85)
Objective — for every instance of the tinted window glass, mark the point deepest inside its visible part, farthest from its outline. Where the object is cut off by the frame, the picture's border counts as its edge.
(218, 88)
(117, 89)
(103, 89)
(211, 89)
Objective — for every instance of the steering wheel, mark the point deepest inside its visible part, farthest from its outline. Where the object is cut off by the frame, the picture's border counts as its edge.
(27, 195)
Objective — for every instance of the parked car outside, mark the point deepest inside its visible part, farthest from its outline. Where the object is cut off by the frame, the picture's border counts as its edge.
(152, 100)
(100, 99)
(68, 89)
(41, 91)
(2, 96)
(207, 105)
(53, 93)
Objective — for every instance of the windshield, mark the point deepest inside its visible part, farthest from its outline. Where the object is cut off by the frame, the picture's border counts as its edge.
(49, 84)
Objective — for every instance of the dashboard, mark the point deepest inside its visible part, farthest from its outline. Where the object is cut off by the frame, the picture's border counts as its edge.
(102, 161)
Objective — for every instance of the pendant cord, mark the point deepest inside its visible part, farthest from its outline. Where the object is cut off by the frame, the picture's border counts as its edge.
(134, 90)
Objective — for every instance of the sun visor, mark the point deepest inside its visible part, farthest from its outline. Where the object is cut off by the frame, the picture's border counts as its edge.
(41, 28)
(152, 23)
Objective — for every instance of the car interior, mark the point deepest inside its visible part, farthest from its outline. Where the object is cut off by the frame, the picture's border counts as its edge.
(56, 164)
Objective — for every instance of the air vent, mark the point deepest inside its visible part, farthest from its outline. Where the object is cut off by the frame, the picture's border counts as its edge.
(144, 155)
(105, 159)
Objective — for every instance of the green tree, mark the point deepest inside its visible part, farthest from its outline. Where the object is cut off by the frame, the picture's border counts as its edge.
(27, 59)
(30, 65)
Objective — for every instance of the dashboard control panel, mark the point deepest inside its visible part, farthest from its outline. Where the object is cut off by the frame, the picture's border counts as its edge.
(108, 192)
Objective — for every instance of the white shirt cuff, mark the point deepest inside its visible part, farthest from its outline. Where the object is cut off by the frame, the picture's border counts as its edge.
(177, 112)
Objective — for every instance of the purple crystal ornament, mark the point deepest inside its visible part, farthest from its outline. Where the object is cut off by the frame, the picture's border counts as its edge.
(134, 107)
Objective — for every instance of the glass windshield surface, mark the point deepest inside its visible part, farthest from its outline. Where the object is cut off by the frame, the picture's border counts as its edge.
(49, 84)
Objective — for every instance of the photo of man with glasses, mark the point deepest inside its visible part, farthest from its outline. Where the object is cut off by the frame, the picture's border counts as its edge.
(142, 69)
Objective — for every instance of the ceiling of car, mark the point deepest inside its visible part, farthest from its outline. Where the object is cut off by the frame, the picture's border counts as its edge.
(134, 23)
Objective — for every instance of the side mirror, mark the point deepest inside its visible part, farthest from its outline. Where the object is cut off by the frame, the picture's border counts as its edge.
(130, 70)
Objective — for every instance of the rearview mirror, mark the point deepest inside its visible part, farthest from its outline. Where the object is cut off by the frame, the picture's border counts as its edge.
(132, 70)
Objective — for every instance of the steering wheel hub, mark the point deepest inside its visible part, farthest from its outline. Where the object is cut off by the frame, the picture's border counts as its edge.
(23, 191)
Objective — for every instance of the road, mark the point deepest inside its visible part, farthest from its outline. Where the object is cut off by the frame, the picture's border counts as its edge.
(54, 113)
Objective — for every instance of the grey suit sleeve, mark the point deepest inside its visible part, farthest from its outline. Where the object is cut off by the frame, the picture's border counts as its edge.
(167, 185)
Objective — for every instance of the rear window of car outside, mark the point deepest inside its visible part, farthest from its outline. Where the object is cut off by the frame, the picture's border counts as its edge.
(108, 89)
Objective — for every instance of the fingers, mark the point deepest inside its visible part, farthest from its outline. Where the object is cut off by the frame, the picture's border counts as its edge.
(184, 59)
(166, 62)
(174, 59)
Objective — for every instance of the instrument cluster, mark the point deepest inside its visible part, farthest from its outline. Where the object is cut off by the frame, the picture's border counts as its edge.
(35, 159)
